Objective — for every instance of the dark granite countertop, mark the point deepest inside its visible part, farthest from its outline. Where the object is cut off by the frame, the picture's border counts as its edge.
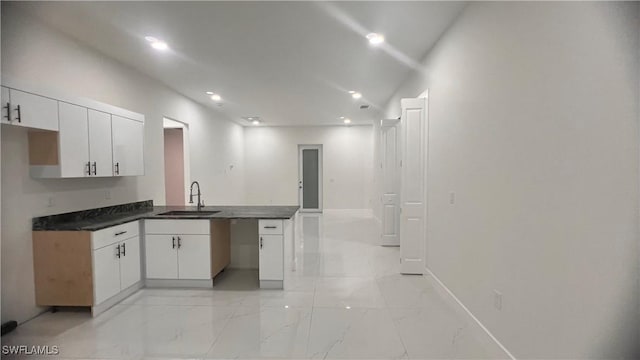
(96, 219)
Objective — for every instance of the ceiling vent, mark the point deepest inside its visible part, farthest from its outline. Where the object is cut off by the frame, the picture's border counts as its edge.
(364, 107)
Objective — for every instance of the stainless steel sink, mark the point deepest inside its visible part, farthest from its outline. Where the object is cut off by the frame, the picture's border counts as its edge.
(188, 213)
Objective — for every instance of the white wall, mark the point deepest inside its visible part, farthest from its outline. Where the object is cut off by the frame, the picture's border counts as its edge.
(271, 162)
(37, 54)
(533, 111)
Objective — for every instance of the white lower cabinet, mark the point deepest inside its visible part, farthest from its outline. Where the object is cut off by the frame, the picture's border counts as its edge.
(271, 251)
(116, 260)
(130, 262)
(194, 257)
(106, 273)
(271, 257)
(161, 256)
(178, 249)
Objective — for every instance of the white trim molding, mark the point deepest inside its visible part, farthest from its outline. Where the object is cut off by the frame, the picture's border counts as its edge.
(502, 347)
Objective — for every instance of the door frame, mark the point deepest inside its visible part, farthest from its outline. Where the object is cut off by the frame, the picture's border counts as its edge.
(385, 126)
(168, 122)
(320, 178)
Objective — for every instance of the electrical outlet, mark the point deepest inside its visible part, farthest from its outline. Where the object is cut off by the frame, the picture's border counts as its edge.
(497, 299)
(107, 195)
(51, 201)
(452, 198)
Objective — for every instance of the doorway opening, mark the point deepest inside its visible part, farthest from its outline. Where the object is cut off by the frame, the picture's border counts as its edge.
(310, 178)
(176, 161)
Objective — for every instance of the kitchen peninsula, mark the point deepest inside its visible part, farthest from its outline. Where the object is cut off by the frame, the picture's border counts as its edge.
(98, 257)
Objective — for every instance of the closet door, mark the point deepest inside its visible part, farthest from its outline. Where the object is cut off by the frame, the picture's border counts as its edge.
(412, 218)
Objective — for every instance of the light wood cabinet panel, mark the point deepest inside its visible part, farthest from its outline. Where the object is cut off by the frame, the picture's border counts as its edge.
(62, 268)
(220, 245)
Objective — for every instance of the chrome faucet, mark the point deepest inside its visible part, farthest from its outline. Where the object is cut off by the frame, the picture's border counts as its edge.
(200, 203)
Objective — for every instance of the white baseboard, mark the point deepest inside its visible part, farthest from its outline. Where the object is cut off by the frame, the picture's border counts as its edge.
(445, 288)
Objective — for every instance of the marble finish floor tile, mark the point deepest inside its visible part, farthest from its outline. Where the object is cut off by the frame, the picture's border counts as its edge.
(354, 333)
(255, 332)
(343, 298)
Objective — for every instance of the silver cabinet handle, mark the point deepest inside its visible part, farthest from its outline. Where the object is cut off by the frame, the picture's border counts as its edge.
(118, 253)
(173, 242)
(120, 233)
(124, 249)
(88, 168)
(19, 117)
(95, 168)
(270, 227)
(117, 168)
(179, 242)
(260, 242)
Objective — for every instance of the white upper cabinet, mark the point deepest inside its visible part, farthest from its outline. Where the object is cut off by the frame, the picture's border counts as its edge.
(32, 111)
(81, 137)
(128, 146)
(74, 141)
(100, 149)
(4, 100)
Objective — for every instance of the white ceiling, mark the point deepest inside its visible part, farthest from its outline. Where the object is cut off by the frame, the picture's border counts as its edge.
(291, 63)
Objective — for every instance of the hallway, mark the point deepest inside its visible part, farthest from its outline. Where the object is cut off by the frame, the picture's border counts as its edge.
(344, 300)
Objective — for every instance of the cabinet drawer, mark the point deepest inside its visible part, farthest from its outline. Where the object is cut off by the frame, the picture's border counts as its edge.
(270, 227)
(108, 236)
(171, 227)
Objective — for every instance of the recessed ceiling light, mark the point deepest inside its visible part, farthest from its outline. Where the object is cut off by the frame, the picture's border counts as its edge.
(216, 97)
(209, 92)
(375, 38)
(356, 95)
(256, 122)
(341, 117)
(156, 43)
(347, 121)
(351, 92)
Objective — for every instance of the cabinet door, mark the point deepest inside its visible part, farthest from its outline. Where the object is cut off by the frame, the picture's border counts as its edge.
(194, 257)
(100, 150)
(4, 100)
(128, 145)
(33, 111)
(161, 257)
(74, 140)
(129, 262)
(106, 273)
(271, 257)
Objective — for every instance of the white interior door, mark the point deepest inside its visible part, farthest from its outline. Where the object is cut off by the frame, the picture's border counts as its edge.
(310, 177)
(390, 183)
(413, 206)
